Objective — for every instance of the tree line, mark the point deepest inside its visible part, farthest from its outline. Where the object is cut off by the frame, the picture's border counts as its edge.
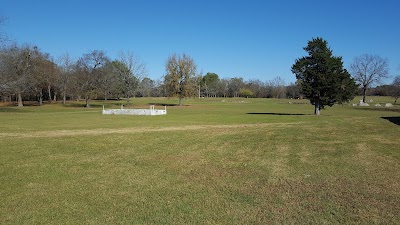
(29, 74)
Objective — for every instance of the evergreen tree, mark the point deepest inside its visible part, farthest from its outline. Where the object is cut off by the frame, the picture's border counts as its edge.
(322, 77)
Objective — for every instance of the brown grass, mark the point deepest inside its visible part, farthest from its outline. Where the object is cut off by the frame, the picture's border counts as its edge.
(218, 128)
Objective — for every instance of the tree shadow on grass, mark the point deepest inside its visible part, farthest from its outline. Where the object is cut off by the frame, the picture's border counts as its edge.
(280, 114)
(9, 109)
(165, 104)
(388, 109)
(83, 105)
(393, 119)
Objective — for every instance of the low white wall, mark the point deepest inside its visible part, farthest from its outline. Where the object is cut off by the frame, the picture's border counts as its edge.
(145, 112)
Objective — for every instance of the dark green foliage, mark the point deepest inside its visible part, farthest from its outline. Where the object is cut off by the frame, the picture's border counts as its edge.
(125, 83)
(322, 77)
(210, 78)
(209, 84)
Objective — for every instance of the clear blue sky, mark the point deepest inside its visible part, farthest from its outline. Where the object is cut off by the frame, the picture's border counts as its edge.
(250, 39)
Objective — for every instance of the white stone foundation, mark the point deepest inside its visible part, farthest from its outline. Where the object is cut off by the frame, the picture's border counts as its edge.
(138, 112)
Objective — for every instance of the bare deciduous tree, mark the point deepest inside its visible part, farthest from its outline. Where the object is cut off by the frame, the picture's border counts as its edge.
(223, 87)
(256, 86)
(16, 65)
(3, 36)
(368, 70)
(132, 71)
(88, 73)
(234, 86)
(278, 87)
(44, 74)
(65, 64)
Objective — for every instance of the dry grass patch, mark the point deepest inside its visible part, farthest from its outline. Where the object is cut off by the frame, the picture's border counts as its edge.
(212, 128)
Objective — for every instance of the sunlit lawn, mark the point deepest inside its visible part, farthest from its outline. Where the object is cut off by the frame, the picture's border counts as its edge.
(212, 161)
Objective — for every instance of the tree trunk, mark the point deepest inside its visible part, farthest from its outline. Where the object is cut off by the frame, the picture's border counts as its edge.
(87, 102)
(55, 97)
(19, 96)
(64, 94)
(64, 98)
(317, 109)
(199, 92)
(49, 90)
(364, 93)
(41, 97)
(180, 101)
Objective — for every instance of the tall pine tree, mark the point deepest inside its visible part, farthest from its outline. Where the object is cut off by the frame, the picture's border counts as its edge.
(322, 77)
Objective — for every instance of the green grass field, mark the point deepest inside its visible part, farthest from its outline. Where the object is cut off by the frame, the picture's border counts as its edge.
(212, 161)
